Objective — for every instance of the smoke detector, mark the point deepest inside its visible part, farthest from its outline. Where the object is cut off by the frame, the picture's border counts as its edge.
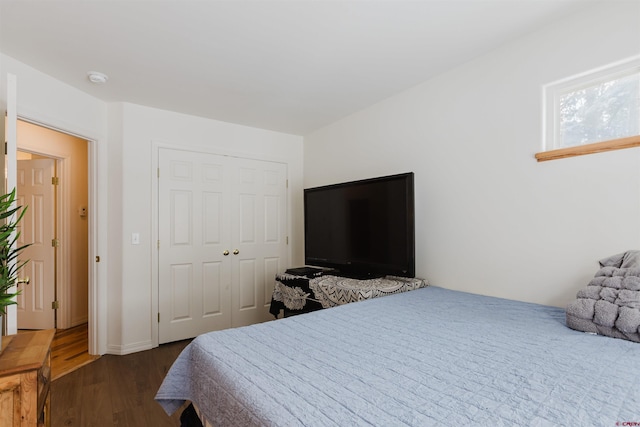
(97, 77)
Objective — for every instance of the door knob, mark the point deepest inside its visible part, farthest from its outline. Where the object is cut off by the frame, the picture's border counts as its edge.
(236, 252)
(225, 253)
(26, 280)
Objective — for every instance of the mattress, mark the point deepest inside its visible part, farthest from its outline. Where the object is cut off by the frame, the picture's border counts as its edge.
(426, 357)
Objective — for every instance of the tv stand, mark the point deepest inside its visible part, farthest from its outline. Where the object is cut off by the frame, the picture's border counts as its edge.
(301, 294)
(358, 275)
(309, 272)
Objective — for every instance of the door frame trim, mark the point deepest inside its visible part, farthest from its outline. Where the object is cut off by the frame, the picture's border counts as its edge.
(11, 180)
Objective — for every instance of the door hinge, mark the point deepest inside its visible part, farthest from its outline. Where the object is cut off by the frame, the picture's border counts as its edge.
(55, 180)
(287, 240)
(158, 244)
(287, 183)
(158, 172)
(55, 305)
(158, 317)
(55, 243)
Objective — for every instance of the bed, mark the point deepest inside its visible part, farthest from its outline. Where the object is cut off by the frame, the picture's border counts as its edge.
(426, 357)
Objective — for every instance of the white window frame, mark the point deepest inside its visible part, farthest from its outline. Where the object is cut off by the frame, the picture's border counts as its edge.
(552, 91)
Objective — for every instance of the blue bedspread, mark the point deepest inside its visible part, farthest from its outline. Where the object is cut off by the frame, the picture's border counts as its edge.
(426, 357)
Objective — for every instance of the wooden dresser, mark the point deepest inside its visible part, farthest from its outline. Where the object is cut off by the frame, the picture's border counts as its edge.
(25, 376)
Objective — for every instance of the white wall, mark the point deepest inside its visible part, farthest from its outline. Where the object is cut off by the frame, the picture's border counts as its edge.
(489, 218)
(141, 128)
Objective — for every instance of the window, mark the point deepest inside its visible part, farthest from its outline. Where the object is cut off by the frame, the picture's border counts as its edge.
(593, 112)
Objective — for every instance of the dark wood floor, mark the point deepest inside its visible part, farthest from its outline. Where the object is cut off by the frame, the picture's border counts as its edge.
(115, 391)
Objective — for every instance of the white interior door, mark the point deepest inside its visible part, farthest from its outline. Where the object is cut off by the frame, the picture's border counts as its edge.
(222, 228)
(35, 190)
(10, 170)
(194, 279)
(259, 225)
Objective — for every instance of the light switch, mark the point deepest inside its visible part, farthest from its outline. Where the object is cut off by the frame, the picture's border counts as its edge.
(135, 238)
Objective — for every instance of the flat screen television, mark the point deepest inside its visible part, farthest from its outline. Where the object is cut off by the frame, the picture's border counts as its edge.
(362, 228)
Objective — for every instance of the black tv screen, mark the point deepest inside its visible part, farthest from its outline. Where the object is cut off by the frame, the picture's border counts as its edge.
(362, 228)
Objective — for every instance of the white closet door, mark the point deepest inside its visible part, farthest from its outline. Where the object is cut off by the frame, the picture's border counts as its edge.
(222, 235)
(194, 279)
(259, 225)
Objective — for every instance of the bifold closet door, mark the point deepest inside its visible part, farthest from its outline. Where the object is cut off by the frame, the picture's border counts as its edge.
(193, 216)
(259, 227)
(222, 239)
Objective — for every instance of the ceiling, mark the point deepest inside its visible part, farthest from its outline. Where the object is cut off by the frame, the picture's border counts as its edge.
(290, 66)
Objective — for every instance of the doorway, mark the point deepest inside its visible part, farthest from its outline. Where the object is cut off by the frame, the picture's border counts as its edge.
(69, 275)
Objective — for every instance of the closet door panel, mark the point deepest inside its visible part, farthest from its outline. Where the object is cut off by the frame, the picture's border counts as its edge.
(194, 281)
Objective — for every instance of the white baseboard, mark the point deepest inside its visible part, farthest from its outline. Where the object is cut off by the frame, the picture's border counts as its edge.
(121, 350)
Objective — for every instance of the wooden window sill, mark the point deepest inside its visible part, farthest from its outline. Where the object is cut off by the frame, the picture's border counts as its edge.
(597, 147)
